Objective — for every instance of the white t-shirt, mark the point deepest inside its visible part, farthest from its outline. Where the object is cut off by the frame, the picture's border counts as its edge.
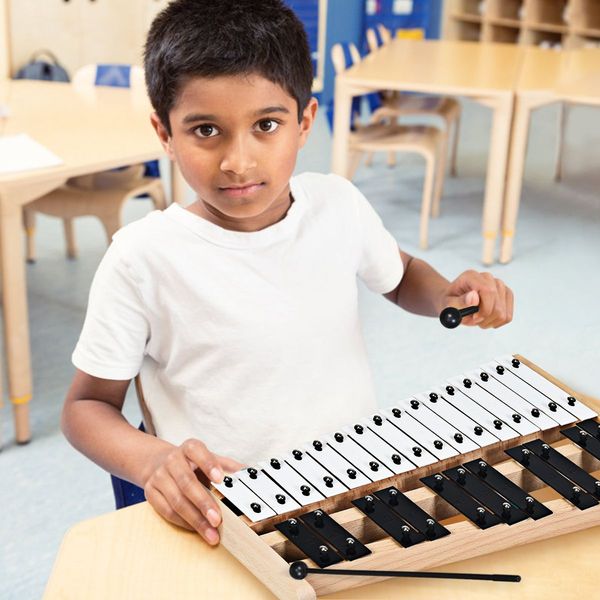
(248, 341)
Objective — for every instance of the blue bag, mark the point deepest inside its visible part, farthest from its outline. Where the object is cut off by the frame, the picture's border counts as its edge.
(43, 70)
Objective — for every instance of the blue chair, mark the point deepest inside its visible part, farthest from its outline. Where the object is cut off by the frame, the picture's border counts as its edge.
(125, 492)
(102, 194)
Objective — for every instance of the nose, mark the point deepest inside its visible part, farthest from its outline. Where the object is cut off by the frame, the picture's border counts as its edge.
(238, 157)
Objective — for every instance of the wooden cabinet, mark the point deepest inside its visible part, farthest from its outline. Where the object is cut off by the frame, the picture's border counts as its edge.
(4, 44)
(79, 32)
(550, 23)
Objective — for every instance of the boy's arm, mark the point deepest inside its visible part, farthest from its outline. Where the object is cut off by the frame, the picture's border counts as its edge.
(93, 423)
(422, 290)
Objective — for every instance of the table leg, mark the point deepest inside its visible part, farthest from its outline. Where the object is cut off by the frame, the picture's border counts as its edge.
(514, 180)
(16, 326)
(341, 128)
(496, 172)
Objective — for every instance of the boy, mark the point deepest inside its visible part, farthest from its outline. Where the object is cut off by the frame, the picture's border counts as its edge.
(239, 311)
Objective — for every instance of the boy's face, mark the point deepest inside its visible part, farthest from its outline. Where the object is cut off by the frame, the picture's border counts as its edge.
(235, 139)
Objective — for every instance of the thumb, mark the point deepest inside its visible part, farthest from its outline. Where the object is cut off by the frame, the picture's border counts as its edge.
(471, 298)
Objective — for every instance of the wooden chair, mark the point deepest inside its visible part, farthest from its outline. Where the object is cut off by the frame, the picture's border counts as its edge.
(383, 133)
(127, 493)
(563, 115)
(445, 109)
(103, 194)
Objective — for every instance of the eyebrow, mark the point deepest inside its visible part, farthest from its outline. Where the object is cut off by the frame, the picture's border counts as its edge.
(192, 118)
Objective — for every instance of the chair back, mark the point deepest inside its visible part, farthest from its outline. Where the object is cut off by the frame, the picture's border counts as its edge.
(377, 37)
(113, 75)
(343, 56)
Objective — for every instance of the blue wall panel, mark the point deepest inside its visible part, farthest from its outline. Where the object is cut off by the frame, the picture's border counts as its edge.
(347, 21)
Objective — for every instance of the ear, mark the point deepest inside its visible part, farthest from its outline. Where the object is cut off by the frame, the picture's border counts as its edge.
(163, 135)
(308, 118)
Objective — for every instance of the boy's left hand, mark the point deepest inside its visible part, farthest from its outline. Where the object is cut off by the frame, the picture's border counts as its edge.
(494, 297)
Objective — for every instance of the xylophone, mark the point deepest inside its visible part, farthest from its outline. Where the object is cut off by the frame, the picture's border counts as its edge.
(420, 484)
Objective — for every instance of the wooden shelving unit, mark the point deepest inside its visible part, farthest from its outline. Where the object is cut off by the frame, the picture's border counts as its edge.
(564, 23)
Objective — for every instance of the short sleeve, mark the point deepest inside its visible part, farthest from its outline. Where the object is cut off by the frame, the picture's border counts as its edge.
(380, 264)
(116, 328)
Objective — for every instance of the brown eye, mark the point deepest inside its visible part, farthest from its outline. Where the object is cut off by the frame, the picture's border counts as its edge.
(206, 131)
(268, 126)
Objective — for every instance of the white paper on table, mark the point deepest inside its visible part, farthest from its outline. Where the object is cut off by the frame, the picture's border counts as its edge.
(22, 153)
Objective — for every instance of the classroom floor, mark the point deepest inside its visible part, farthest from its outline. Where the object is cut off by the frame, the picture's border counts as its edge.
(46, 486)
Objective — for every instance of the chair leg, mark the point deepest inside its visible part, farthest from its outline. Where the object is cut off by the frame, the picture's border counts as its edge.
(369, 159)
(29, 225)
(430, 164)
(456, 133)
(70, 238)
(391, 159)
(440, 173)
(158, 197)
(560, 142)
(353, 162)
(112, 223)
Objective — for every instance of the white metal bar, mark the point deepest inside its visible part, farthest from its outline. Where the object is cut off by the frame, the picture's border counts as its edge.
(243, 498)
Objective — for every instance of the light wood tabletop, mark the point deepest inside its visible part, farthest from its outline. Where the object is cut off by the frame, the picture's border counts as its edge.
(546, 76)
(90, 129)
(485, 73)
(133, 554)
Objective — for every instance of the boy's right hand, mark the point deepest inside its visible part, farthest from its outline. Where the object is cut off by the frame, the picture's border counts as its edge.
(175, 493)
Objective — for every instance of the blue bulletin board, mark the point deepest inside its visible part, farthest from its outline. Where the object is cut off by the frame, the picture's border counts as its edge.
(405, 15)
(308, 12)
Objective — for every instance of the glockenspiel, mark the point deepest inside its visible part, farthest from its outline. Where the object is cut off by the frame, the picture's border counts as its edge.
(500, 456)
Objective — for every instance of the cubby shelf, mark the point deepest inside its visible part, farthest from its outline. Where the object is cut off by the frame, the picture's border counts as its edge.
(568, 23)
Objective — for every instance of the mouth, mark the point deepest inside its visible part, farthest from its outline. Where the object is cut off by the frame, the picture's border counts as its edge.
(240, 191)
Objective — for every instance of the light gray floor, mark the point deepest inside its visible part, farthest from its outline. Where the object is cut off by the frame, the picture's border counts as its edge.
(45, 487)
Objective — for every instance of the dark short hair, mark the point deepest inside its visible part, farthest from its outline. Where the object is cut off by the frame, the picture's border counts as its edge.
(212, 38)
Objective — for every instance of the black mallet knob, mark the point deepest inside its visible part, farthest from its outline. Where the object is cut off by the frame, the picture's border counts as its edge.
(298, 570)
(451, 317)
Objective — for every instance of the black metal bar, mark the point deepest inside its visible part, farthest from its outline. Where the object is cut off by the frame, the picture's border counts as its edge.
(511, 491)
(483, 493)
(412, 513)
(591, 426)
(583, 439)
(333, 533)
(565, 466)
(389, 521)
(311, 545)
(550, 476)
(452, 493)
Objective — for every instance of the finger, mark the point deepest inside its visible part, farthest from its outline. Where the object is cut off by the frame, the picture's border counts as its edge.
(204, 459)
(498, 317)
(182, 506)
(510, 304)
(229, 465)
(470, 298)
(158, 502)
(487, 301)
(182, 476)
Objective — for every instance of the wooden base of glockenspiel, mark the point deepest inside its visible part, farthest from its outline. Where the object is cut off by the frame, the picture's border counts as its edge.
(267, 553)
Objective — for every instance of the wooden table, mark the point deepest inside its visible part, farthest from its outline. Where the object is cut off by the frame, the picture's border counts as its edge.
(546, 76)
(133, 554)
(485, 73)
(91, 130)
